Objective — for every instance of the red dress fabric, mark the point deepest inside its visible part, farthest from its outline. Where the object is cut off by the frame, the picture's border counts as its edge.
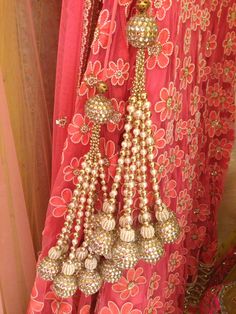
(190, 79)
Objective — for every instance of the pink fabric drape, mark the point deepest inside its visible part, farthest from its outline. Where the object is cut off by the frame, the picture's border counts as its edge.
(189, 82)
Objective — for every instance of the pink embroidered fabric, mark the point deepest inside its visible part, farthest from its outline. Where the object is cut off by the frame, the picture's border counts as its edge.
(190, 83)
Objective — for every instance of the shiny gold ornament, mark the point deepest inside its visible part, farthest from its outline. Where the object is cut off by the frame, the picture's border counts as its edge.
(101, 87)
(125, 254)
(102, 241)
(143, 5)
(169, 230)
(99, 109)
(89, 282)
(65, 286)
(151, 250)
(142, 29)
(48, 268)
(109, 271)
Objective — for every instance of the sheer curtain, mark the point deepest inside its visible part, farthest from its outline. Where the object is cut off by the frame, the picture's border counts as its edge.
(28, 47)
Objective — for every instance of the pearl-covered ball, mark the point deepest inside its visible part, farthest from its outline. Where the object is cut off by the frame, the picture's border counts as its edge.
(99, 109)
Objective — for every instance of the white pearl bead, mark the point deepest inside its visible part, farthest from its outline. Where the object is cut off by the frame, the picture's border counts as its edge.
(147, 105)
(133, 168)
(136, 132)
(82, 200)
(113, 193)
(149, 140)
(130, 108)
(148, 123)
(150, 156)
(143, 152)
(138, 114)
(128, 127)
(117, 178)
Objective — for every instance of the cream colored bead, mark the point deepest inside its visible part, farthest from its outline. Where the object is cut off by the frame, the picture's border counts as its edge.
(54, 253)
(91, 263)
(68, 268)
(147, 232)
(127, 235)
(108, 223)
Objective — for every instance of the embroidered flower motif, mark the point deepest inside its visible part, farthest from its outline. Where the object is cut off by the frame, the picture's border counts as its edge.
(169, 191)
(231, 17)
(196, 237)
(85, 309)
(119, 107)
(216, 172)
(168, 307)
(162, 166)
(186, 73)
(175, 260)
(167, 105)
(201, 212)
(58, 305)
(190, 129)
(215, 125)
(186, 9)
(160, 52)
(118, 72)
(194, 100)
(153, 306)
(80, 129)
(213, 95)
(203, 69)
(153, 284)
(180, 129)
(196, 17)
(210, 44)
(205, 19)
(220, 148)
(159, 137)
(216, 70)
(126, 4)
(109, 154)
(34, 305)
(184, 202)
(175, 158)
(126, 308)
(193, 147)
(101, 33)
(71, 171)
(170, 132)
(229, 43)
(60, 203)
(170, 285)
(229, 71)
(92, 76)
(128, 286)
(161, 7)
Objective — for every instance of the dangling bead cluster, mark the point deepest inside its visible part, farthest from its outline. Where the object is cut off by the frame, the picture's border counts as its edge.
(111, 244)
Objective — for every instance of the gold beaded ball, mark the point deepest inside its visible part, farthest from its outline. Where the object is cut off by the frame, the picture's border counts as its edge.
(99, 109)
(142, 31)
(109, 271)
(125, 254)
(169, 230)
(101, 242)
(49, 268)
(151, 250)
(65, 286)
(89, 281)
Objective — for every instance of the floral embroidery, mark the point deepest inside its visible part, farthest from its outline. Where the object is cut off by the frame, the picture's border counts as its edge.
(210, 44)
(170, 103)
(168, 307)
(85, 309)
(80, 129)
(71, 171)
(229, 43)
(60, 203)
(118, 72)
(231, 17)
(161, 7)
(126, 308)
(153, 284)
(229, 70)
(184, 202)
(205, 19)
(186, 9)
(101, 34)
(175, 158)
(34, 305)
(173, 281)
(170, 191)
(187, 40)
(201, 212)
(220, 149)
(196, 237)
(92, 75)
(159, 137)
(215, 125)
(203, 69)
(196, 16)
(186, 73)
(58, 305)
(153, 306)
(128, 286)
(194, 100)
(162, 166)
(175, 260)
(160, 52)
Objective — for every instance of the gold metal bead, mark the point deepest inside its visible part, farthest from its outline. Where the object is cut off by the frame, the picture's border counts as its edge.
(99, 109)
(101, 242)
(109, 271)
(125, 254)
(142, 31)
(143, 5)
(48, 268)
(151, 250)
(101, 87)
(169, 230)
(89, 282)
(65, 286)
